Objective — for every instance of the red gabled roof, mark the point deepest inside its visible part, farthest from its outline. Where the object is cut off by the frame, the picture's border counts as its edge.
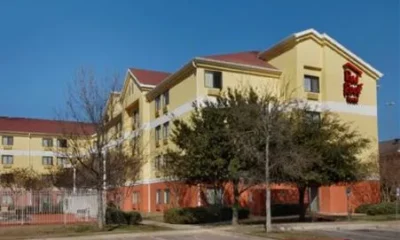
(30, 125)
(246, 58)
(149, 77)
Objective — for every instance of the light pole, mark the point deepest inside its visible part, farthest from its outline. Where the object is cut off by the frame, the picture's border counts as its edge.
(74, 180)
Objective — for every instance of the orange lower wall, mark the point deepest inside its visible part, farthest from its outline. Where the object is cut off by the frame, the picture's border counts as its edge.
(332, 199)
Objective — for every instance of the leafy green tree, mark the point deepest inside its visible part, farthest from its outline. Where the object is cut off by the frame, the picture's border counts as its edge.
(331, 146)
(224, 140)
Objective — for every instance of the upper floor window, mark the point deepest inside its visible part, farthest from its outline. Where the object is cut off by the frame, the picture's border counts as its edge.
(158, 163)
(213, 79)
(47, 142)
(62, 143)
(158, 133)
(166, 98)
(158, 103)
(61, 161)
(7, 159)
(165, 130)
(135, 118)
(311, 84)
(47, 160)
(313, 116)
(8, 140)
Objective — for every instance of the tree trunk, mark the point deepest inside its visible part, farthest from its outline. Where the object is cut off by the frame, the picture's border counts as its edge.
(100, 209)
(268, 224)
(302, 209)
(235, 207)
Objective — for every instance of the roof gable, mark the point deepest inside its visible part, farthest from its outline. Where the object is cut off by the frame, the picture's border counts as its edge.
(322, 38)
(148, 78)
(250, 58)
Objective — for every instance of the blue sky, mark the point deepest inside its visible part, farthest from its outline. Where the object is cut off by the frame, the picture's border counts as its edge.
(43, 43)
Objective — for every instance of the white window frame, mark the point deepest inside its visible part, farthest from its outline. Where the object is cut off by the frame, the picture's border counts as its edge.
(165, 130)
(157, 102)
(158, 133)
(311, 84)
(210, 80)
(47, 142)
(165, 98)
(46, 161)
(6, 159)
(7, 140)
(59, 140)
(167, 195)
(158, 196)
(135, 197)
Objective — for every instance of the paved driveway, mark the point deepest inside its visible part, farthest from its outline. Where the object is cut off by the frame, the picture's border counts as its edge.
(365, 234)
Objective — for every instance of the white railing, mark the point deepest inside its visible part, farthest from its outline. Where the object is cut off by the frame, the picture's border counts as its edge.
(47, 207)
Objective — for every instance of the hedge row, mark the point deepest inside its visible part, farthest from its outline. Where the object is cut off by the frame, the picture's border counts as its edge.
(278, 210)
(197, 215)
(377, 209)
(116, 216)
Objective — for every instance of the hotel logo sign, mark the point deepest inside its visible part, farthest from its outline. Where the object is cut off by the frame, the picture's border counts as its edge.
(351, 86)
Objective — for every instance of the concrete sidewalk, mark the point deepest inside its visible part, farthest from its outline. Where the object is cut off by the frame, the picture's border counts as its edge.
(335, 226)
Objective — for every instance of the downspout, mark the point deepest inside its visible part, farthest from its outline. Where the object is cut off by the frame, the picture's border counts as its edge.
(29, 149)
(197, 87)
(148, 197)
(197, 105)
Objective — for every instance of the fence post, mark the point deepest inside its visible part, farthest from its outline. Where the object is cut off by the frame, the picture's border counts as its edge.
(22, 209)
(64, 212)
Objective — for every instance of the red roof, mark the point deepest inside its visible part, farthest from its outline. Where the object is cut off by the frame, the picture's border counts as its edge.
(149, 77)
(247, 58)
(30, 125)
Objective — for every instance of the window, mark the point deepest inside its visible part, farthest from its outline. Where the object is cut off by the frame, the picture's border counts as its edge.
(61, 161)
(313, 116)
(119, 129)
(135, 197)
(6, 200)
(158, 163)
(47, 142)
(7, 159)
(62, 143)
(158, 130)
(166, 196)
(135, 118)
(47, 161)
(166, 98)
(8, 140)
(166, 130)
(214, 196)
(157, 101)
(311, 84)
(158, 196)
(213, 79)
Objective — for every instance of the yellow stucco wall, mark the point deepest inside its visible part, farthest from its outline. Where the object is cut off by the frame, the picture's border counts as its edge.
(308, 56)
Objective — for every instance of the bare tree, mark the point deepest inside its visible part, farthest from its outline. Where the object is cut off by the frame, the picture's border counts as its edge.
(94, 142)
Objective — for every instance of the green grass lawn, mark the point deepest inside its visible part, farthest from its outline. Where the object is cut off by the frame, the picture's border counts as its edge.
(37, 231)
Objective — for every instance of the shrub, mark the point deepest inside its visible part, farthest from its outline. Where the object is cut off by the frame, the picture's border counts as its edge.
(382, 208)
(285, 209)
(116, 216)
(202, 214)
(133, 218)
(363, 208)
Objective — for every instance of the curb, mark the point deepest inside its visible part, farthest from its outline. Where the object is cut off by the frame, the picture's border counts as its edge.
(128, 235)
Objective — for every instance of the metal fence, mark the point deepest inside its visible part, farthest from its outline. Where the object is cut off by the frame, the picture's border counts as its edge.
(47, 207)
